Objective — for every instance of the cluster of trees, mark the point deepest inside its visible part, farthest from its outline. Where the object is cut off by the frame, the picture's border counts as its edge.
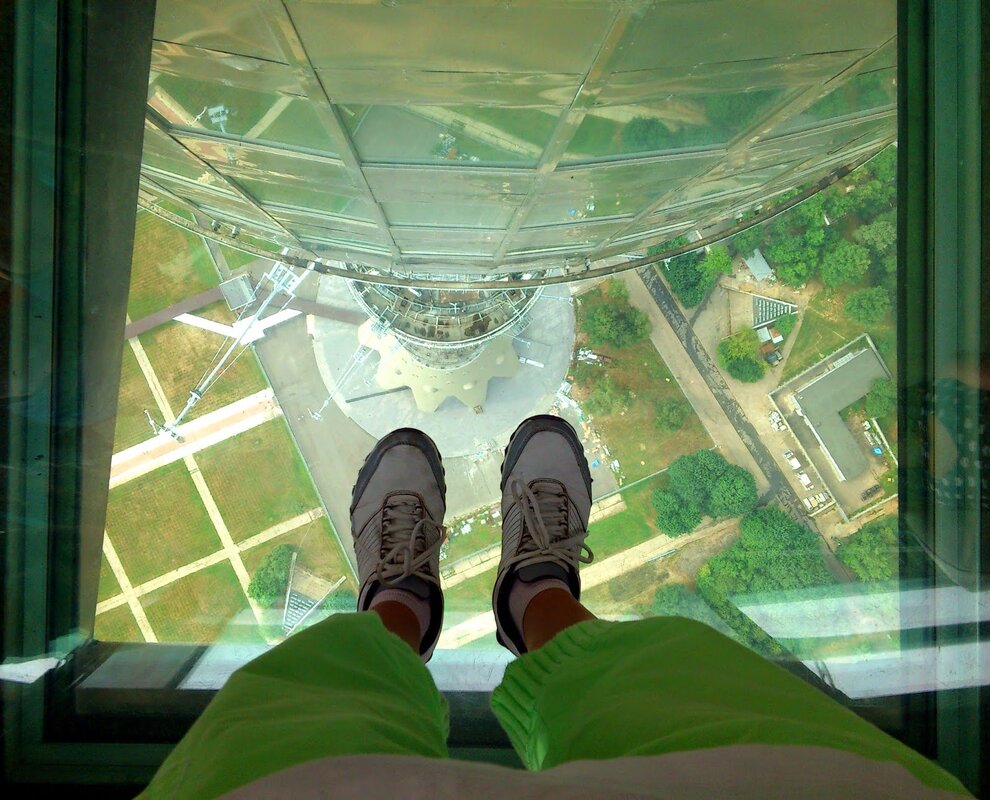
(271, 579)
(800, 244)
(867, 306)
(693, 275)
(772, 553)
(739, 354)
(871, 552)
(616, 323)
(703, 484)
(341, 601)
(676, 600)
(881, 400)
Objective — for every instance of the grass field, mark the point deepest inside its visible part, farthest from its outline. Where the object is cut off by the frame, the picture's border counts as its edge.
(168, 264)
(825, 328)
(158, 523)
(133, 398)
(181, 355)
(118, 625)
(472, 596)
(258, 479)
(237, 258)
(631, 435)
(108, 582)
(196, 608)
(485, 531)
(317, 552)
(636, 524)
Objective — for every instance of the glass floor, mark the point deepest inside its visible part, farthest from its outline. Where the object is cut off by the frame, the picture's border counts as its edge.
(716, 267)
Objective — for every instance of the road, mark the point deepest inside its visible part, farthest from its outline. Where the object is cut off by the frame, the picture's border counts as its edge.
(779, 488)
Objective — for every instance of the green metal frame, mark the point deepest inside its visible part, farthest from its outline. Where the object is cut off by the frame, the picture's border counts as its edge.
(72, 200)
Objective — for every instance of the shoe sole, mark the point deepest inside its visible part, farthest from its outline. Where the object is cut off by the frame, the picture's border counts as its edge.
(403, 436)
(517, 442)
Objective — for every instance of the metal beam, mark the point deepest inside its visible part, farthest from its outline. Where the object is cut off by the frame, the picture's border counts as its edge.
(153, 118)
(288, 41)
(544, 279)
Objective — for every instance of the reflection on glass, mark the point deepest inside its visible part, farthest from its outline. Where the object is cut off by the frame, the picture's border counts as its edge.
(679, 122)
(449, 134)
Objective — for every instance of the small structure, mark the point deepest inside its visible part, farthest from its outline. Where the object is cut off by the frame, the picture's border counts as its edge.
(759, 267)
(238, 292)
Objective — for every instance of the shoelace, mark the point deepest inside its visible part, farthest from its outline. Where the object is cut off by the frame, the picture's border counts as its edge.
(405, 529)
(545, 515)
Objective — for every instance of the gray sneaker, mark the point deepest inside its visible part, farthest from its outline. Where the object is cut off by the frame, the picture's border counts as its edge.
(397, 509)
(546, 499)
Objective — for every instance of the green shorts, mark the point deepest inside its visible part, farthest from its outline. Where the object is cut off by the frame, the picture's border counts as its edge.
(598, 690)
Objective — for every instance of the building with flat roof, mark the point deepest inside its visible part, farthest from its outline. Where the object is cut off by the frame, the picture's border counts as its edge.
(758, 265)
(820, 401)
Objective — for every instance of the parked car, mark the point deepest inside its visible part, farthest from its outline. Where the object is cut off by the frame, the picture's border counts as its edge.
(804, 480)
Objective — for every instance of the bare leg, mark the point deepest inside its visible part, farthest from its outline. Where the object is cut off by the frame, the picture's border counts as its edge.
(548, 614)
(401, 621)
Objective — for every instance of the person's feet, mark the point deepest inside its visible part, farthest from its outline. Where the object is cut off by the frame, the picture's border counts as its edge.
(397, 509)
(546, 499)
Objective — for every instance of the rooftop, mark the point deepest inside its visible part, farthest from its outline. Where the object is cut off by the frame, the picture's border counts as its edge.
(821, 401)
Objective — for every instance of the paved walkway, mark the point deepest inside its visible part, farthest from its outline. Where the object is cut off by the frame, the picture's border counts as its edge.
(130, 594)
(198, 434)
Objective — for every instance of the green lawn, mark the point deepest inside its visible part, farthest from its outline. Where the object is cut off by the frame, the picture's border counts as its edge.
(485, 531)
(169, 263)
(108, 582)
(636, 524)
(133, 399)
(825, 328)
(317, 552)
(158, 523)
(117, 625)
(196, 608)
(237, 258)
(258, 479)
(472, 596)
(181, 355)
(631, 435)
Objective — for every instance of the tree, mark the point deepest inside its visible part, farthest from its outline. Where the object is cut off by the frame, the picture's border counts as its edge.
(794, 273)
(786, 324)
(671, 414)
(879, 235)
(745, 242)
(733, 493)
(676, 600)
(883, 166)
(675, 515)
(270, 581)
(606, 396)
(845, 262)
(881, 399)
(747, 370)
(343, 600)
(867, 306)
(871, 552)
(685, 281)
(772, 553)
(716, 262)
(744, 344)
(616, 325)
